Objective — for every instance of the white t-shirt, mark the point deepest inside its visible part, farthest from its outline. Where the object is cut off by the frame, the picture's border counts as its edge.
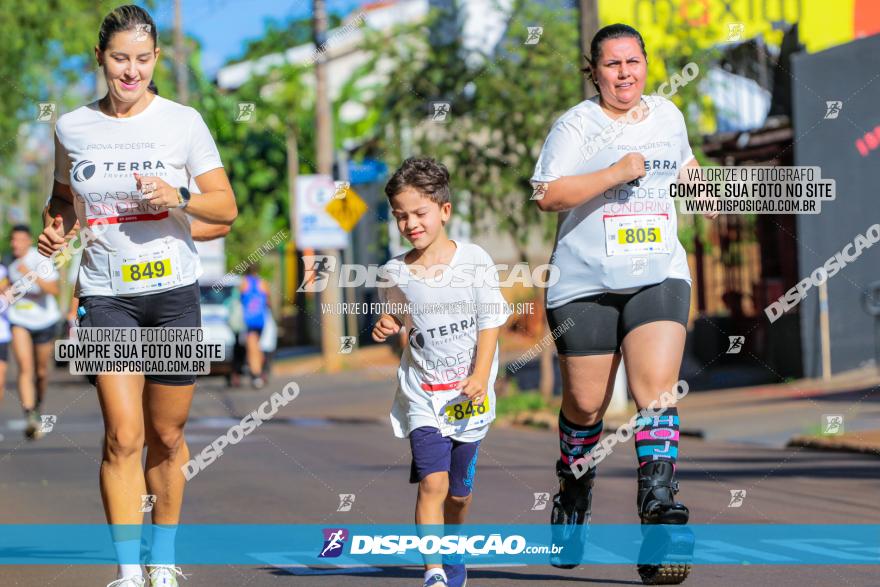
(142, 249)
(627, 237)
(5, 333)
(442, 326)
(36, 309)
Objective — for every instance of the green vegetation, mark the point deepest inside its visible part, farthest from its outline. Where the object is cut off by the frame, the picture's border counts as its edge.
(503, 104)
(517, 403)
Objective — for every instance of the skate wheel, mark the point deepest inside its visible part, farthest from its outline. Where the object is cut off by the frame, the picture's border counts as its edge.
(664, 574)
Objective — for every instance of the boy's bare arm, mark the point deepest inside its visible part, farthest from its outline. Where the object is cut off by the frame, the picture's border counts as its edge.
(475, 386)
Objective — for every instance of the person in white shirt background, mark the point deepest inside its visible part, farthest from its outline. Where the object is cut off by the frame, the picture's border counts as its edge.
(34, 318)
(127, 163)
(5, 331)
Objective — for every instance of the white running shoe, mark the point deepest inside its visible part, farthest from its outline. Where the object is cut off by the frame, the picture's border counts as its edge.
(33, 431)
(164, 575)
(130, 582)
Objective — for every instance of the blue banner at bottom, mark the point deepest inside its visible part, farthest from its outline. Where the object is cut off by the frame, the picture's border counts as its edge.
(407, 544)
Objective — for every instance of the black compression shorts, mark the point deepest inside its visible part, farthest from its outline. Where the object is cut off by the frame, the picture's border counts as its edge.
(173, 308)
(597, 324)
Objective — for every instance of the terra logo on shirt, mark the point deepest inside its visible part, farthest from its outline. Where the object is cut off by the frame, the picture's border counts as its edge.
(133, 166)
(83, 170)
(416, 339)
(656, 164)
(453, 328)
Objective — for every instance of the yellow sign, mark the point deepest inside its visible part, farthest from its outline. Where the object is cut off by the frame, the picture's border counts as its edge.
(346, 208)
(822, 24)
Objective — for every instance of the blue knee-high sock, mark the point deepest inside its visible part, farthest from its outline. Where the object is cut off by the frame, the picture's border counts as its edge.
(658, 439)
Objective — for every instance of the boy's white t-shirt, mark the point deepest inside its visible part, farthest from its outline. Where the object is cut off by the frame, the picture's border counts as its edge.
(97, 156)
(442, 327)
(5, 332)
(35, 310)
(593, 249)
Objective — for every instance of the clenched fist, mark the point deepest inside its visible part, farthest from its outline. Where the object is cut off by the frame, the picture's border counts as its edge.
(631, 166)
(53, 237)
(385, 327)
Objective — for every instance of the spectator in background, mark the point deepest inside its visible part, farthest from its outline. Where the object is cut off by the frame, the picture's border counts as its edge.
(5, 332)
(34, 318)
(254, 305)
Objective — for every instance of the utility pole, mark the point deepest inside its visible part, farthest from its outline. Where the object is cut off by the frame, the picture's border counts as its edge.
(588, 12)
(588, 22)
(331, 322)
(180, 70)
(589, 26)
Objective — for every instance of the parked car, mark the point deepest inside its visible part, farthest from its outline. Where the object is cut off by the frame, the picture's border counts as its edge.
(215, 304)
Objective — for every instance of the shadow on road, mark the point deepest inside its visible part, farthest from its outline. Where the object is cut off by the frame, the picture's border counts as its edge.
(473, 574)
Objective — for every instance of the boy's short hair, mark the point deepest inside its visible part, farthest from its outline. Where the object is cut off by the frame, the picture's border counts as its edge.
(423, 174)
(21, 228)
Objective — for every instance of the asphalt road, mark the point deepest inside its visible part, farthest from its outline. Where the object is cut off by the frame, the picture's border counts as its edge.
(334, 439)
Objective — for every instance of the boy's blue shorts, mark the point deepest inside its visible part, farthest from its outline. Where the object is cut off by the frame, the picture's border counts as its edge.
(433, 453)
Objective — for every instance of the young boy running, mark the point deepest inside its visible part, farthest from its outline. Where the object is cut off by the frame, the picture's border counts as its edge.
(446, 296)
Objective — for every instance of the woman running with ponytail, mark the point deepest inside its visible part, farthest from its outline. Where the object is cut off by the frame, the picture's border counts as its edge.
(127, 163)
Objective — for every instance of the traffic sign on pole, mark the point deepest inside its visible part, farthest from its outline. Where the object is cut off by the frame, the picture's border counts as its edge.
(346, 208)
(315, 228)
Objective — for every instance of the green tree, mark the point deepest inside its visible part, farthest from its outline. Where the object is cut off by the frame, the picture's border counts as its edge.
(502, 107)
(253, 151)
(45, 51)
(279, 36)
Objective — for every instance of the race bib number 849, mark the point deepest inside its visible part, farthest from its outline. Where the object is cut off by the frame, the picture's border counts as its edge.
(153, 269)
(146, 270)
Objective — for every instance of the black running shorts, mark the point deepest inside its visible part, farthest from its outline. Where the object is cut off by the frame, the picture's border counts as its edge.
(173, 308)
(597, 324)
(41, 336)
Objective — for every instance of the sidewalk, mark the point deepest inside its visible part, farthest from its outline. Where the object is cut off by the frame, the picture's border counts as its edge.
(784, 415)
(793, 414)
(865, 442)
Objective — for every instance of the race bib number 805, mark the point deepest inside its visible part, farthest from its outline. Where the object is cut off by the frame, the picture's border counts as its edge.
(639, 235)
(635, 234)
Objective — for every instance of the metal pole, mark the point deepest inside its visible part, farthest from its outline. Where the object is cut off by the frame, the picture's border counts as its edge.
(292, 258)
(588, 26)
(180, 70)
(331, 323)
(351, 325)
(825, 331)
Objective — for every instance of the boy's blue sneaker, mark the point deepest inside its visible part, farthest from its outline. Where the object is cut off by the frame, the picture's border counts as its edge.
(436, 581)
(456, 575)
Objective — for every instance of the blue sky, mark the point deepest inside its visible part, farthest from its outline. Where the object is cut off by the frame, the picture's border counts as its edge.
(222, 26)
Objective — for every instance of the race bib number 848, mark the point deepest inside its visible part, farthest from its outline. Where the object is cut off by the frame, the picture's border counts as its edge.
(463, 410)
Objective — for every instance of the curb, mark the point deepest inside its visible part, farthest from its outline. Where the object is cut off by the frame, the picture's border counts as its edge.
(838, 445)
(547, 421)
